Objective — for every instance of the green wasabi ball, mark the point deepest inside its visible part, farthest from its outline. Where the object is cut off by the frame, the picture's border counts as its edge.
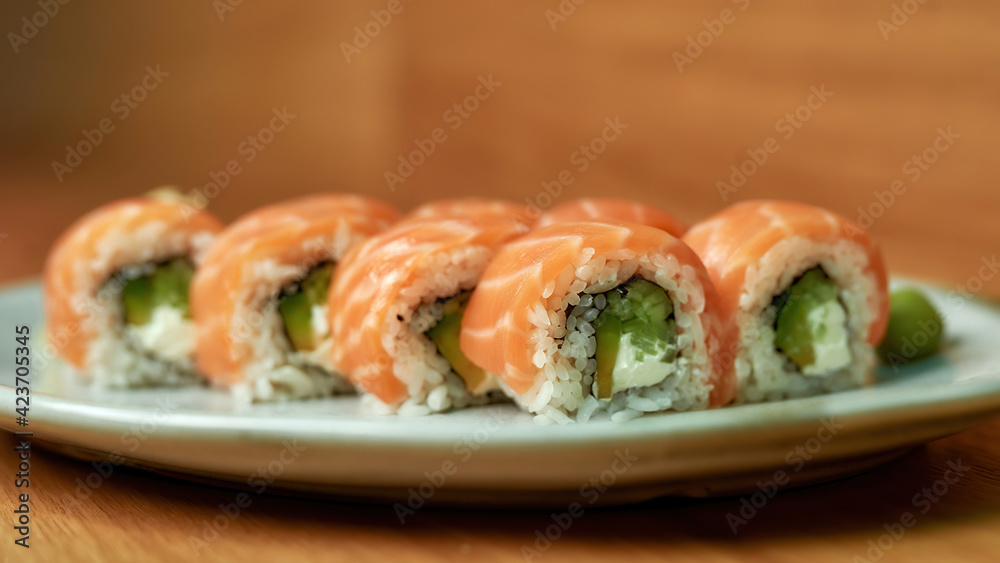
(915, 328)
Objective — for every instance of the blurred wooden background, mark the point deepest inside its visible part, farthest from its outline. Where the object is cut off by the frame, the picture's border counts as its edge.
(892, 90)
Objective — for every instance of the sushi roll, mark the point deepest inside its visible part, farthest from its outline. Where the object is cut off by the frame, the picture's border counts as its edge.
(613, 316)
(807, 291)
(116, 291)
(259, 299)
(587, 208)
(396, 311)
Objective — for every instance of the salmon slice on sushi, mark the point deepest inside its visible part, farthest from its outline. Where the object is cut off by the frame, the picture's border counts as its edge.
(807, 291)
(589, 208)
(260, 298)
(396, 311)
(605, 316)
(471, 208)
(116, 291)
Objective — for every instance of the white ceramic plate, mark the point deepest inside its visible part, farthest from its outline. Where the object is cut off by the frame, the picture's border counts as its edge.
(496, 455)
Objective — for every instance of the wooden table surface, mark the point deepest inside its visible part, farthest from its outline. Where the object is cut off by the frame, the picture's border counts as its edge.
(894, 89)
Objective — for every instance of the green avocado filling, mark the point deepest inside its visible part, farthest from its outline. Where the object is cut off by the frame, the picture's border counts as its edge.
(445, 335)
(796, 331)
(295, 304)
(640, 314)
(165, 286)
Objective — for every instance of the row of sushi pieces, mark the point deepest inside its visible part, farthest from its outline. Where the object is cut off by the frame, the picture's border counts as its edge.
(599, 307)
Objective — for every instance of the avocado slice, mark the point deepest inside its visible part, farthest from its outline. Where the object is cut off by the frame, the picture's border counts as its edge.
(296, 313)
(445, 335)
(295, 305)
(170, 283)
(608, 332)
(640, 314)
(166, 286)
(137, 300)
(316, 286)
(795, 328)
